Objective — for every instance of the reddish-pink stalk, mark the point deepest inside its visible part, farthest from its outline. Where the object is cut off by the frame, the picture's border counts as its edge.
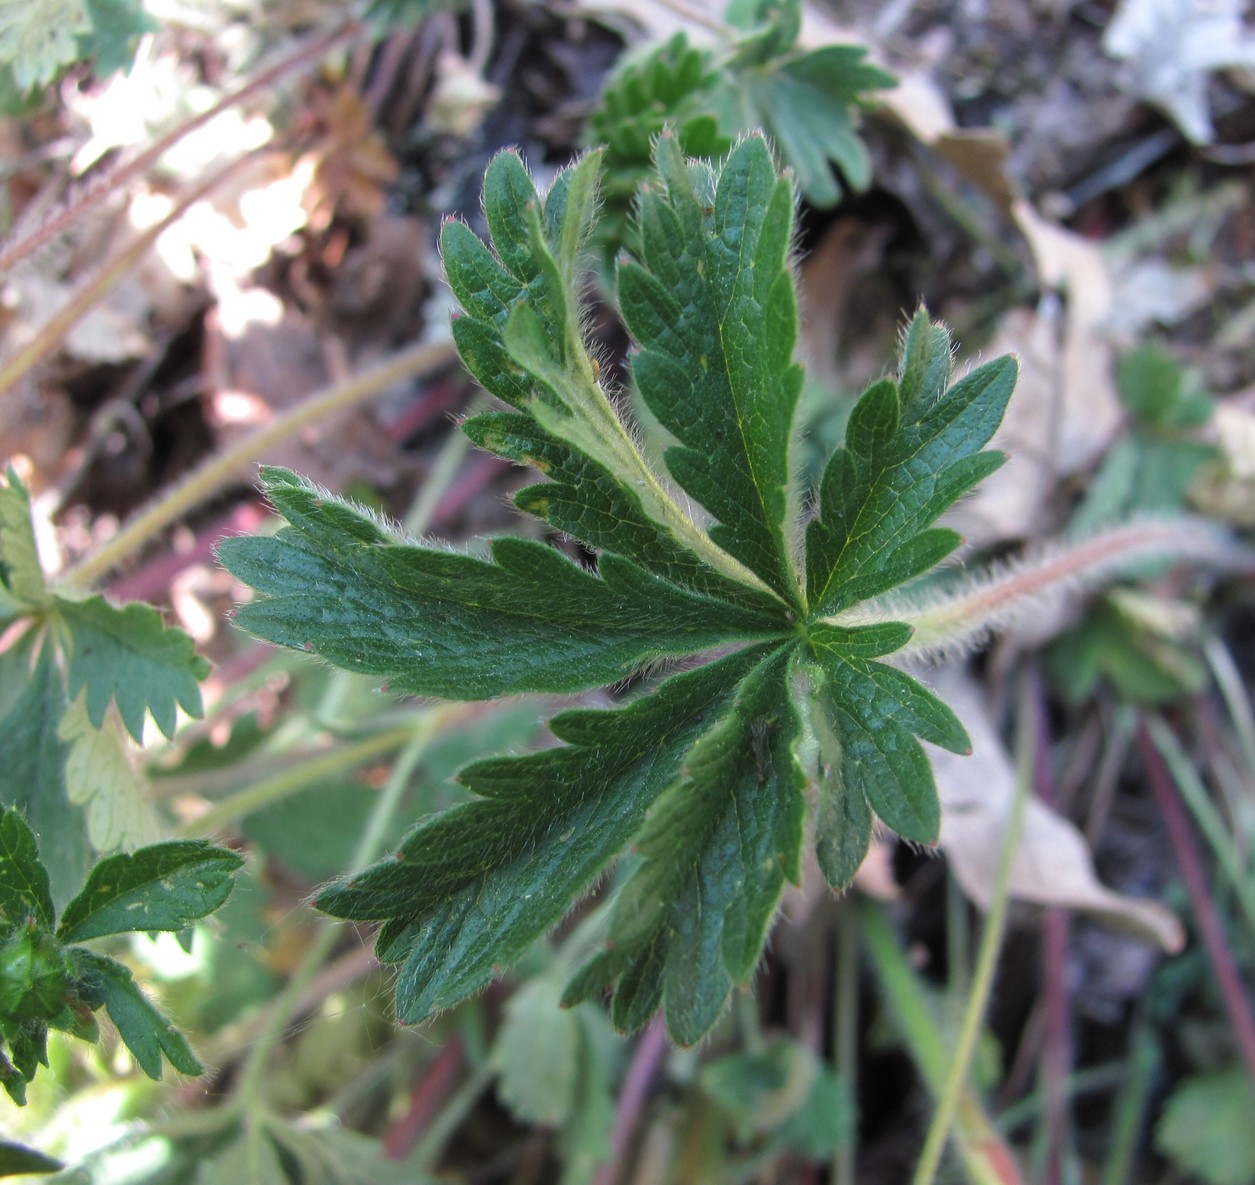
(1237, 1000)
(425, 1099)
(644, 1065)
(152, 580)
(123, 175)
(1056, 939)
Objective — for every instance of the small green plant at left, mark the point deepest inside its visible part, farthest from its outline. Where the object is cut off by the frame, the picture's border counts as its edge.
(78, 675)
(48, 981)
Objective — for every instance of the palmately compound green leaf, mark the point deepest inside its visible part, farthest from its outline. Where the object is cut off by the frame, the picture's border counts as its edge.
(470, 890)
(163, 887)
(128, 655)
(712, 304)
(438, 623)
(912, 449)
(24, 889)
(718, 845)
(146, 1033)
(702, 776)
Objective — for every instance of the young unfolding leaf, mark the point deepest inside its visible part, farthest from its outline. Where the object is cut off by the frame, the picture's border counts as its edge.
(704, 776)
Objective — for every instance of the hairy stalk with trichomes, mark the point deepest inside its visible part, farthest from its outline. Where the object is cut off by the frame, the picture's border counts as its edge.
(785, 719)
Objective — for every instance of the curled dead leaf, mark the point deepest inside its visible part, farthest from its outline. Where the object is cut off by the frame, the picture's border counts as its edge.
(1052, 864)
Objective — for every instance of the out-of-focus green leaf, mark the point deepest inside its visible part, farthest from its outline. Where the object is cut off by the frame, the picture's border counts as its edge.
(24, 891)
(16, 1159)
(103, 779)
(32, 775)
(1206, 1127)
(129, 656)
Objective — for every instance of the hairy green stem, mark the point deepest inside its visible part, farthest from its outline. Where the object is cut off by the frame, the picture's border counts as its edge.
(954, 622)
(986, 960)
(290, 781)
(205, 481)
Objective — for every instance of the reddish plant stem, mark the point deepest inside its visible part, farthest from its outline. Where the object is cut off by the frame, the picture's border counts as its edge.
(1056, 939)
(1236, 999)
(428, 1094)
(123, 175)
(644, 1065)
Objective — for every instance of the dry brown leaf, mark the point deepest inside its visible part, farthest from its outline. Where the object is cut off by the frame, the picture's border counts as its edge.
(1052, 864)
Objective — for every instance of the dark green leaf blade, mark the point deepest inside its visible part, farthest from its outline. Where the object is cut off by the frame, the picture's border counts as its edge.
(24, 888)
(717, 848)
(145, 1031)
(583, 499)
(16, 1159)
(878, 712)
(130, 656)
(469, 891)
(712, 304)
(166, 886)
(438, 623)
(913, 449)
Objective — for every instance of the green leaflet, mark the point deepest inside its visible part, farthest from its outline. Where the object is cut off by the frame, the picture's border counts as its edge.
(147, 1033)
(713, 306)
(912, 449)
(702, 775)
(24, 891)
(22, 585)
(129, 655)
(717, 847)
(47, 983)
(32, 774)
(163, 887)
(877, 712)
(472, 888)
(438, 623)
(581, 498)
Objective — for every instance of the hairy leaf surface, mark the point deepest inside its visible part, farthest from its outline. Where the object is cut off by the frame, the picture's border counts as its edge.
(439, 623)
(712, 304)
(473, 888)
(912, 449)
(718, 846)
(700, 776)
(166, 886)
